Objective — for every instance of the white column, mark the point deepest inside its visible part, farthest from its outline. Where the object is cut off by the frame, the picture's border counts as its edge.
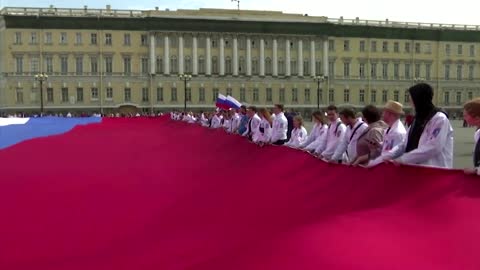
(222, 56)
(166, 56)
(300, 58)
(325, 58)
(208, 56)
(181, 59)
(262, 57)
(153, 59)
(249, 57)
(275, 58)
(287, 58)
(235, 56)
(312, 58)
(195, 55)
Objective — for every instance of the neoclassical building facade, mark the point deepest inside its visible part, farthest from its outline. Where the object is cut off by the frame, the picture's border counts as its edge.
(109, 60)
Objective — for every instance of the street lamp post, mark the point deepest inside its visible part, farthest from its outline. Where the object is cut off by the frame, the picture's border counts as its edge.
(319, 79)
(41, 77)
(185, 78)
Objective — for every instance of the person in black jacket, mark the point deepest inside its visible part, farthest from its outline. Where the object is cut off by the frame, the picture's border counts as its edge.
(290, 115)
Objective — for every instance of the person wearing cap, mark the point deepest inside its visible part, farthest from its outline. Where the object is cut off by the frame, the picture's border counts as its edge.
(471, 114)
(253, 123)
(395, 136)
(279, 126)
(430, 138)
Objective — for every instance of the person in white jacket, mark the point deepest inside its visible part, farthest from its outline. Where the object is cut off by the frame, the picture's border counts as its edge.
(430, 138)
(234, 121)
(319, 129)
(264, 133)
(279, 126)
(471, 115)
(252, 124)
(336, 132)
(299, 133)
(217, 120)
(395, 136)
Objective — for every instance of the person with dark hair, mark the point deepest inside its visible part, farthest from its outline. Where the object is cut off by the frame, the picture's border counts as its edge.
(280, 126)
(243, 120)
(369, 144)
(430, 138)
(319, 129)
(471, 114)
(253, 123)
(335, 133)
(290, 115)
(264, 133)
(347, 149)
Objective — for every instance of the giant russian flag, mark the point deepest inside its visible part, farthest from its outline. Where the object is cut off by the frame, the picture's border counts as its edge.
(142, 194)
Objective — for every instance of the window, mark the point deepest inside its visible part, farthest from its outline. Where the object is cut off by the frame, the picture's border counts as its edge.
(19, 64)
(269, 95)
(373, 96)
(108, 39)
(173, 41)
(79, 65)
(447, 72)
(307, 95)
(242, 95)
(361, 96)
(373, 70)
(63, 38)
(214, 43)
(446, 98)
(318, 68)
(33, 38)
(19, 96)
(396, 95)
(471, 72)
(459, 98)
(331, 96)
(201, 65)
(362, 46)
(127, 65)
(346, 69)
(255, 95)
(268, 66)
(78, 38)
(229, 92)
(49, 64)
(470, 95)
(173, 94)
(306, 66)
(94, 93)
(373, 46)
(159, 68)
(472, 50)
(362, 70)
(93, 38)
(281, 95)
(384, 96)
(281, 67)
(127, 41)
(331, 45)
(385, 71)
(293, 67)
(294, 95)
(331, 69)
(417, 70)
(144, 65)
(460, 49)
(109, 65)
(459, 72)
(428, 68)
(160, 94)
(48, 38)
(215, 94)
(64, 94)
(18, 38)
(407, 47)
(201, 94)
(407, 97)
(127, 95)
(173, 64)
(417, 48)
(215, 66)
(346, 45)
(346, 95)
(188, 94)
(144, 40)
(428, 48)
(35, 65)
(188, 65)
(109, 93)
(146, 94)
(396, 47)
(64, 65)
(396, 71)
(79, 94)
(447, 49)
(407, 71)
(49, 94)
(93, 65)
(385, 46)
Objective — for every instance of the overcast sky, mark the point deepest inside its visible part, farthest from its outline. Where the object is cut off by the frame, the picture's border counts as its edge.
(459, 11)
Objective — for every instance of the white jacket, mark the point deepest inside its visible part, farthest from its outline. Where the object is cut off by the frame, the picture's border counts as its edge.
(264, 132)
(280, 127)
(393, 143)
(254, 122)
(226, 124)
(299, 135)
(435, 148)
(216, 121)
(347, 149)
(320, 138)
(335, 134)
(234, 123)
(314, 133)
